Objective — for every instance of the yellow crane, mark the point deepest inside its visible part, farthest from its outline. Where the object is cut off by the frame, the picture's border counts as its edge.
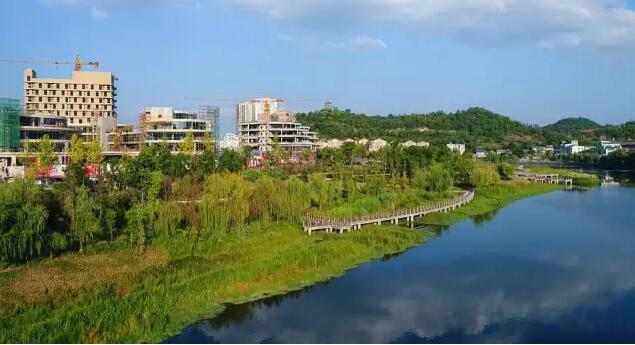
(78, 63)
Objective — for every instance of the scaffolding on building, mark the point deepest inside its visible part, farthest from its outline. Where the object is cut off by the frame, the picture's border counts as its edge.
(9, 124)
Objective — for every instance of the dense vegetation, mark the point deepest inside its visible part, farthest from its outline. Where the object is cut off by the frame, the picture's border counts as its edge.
(572, 124)
(476, 127)
(160, 240)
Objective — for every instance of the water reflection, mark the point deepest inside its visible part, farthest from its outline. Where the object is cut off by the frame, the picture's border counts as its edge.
(558, 267)
(484, 218)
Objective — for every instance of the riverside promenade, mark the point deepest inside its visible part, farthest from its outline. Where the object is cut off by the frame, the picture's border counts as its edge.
(341, 225)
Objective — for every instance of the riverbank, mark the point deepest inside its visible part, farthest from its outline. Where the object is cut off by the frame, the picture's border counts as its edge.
(490, 199)
(126, 296)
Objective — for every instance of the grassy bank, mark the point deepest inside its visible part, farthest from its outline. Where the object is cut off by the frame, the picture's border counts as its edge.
(489, 199)
(580, 179)
(124, 295)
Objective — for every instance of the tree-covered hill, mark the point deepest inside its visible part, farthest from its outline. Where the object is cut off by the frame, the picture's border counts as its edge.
(475, 126)
(572, 124)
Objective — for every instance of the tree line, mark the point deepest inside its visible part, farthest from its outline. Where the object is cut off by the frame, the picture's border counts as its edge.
(158, 194)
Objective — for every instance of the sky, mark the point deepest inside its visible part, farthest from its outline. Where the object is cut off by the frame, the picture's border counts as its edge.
(536, 61)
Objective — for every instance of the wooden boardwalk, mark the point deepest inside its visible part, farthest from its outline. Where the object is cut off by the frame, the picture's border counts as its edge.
(340, 225)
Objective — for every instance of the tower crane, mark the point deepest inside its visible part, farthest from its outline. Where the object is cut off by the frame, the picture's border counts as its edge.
(78, 63)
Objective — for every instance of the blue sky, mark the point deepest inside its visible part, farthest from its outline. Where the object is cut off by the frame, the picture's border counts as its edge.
(535, 61)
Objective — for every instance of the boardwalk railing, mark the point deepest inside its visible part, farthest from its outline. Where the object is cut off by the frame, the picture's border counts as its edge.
(311, 224)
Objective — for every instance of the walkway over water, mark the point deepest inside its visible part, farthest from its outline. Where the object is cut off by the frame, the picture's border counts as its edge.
(341, 225)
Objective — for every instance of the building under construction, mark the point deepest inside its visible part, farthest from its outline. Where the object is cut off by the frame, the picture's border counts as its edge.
(9, 124)
(165, 125)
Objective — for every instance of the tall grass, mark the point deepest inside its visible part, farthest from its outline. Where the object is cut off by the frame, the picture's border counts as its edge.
(159, 300)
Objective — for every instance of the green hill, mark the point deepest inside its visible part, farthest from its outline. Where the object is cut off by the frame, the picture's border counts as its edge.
(572, 124)
(475, 126)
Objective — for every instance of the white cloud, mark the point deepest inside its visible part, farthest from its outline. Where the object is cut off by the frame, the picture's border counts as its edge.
(98, 14)
(547, 23)
(360, 42)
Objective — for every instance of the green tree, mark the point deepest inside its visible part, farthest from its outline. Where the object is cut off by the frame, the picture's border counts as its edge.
(438, 178)
(83, 224)
(46, 155)
(230, 160)
(23, 218)
(77, 150)
(506, 171)
(187, 146)
(94, 153)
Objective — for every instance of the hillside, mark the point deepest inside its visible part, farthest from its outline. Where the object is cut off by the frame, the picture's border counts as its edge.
(475, 126)
(572, 124)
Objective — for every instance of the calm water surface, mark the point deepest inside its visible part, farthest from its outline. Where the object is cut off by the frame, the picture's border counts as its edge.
(558, 267)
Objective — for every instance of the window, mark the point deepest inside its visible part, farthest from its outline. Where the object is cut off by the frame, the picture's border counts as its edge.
(74, 86)
(83, 86)
(28, 78)
(80, 121)
(57, 85)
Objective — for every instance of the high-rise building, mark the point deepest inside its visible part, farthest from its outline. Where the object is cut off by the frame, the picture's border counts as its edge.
(261, 122)
(87, 100)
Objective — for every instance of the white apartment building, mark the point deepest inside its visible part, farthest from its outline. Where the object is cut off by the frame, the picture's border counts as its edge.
(260, 122)
(85, 100)
(230, 141)
(571, 147)
(606, 147)
(460, 148)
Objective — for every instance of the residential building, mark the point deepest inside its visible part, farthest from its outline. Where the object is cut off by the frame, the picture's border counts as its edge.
(83, 99)
(33, 127)
(410, 143)
(125, 138)
(605, 147)
(261, 122)
(543, 149)
(460, 148)
(480, 153)
(230, 141)
(377, 145)
(170, 126)
(570, 147)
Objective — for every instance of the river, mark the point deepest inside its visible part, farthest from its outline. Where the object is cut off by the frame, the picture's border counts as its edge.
(558, 267)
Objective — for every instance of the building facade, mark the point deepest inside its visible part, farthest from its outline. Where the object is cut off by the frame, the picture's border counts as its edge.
(87, 100)
(460, 148)
(159, 125)
(261, 124)
(21, 133)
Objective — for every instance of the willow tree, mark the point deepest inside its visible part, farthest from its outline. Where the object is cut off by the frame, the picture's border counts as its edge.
(319, 190)
(22, 221)
(82, 221)
(224, 206)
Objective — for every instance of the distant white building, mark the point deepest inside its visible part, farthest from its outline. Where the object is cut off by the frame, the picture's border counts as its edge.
(460, 148)
(261, 123)
(230, 141)
(410, 143)
(332, 144)
(480, 153)
(605, 147)
(377, 145)
(571, 147)
(543, 149)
